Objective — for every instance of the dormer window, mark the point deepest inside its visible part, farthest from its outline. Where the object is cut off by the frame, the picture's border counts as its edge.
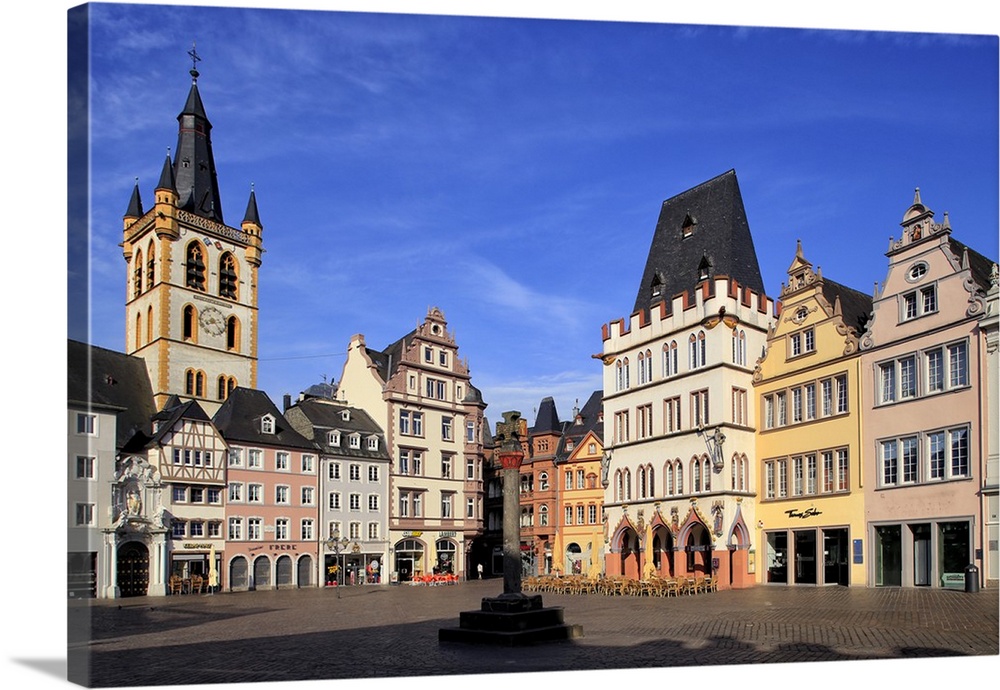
(346, 415)
(267, 424)
(373, 443)
(687, 227)
(704, 268)
(354, 440)
(333, 438)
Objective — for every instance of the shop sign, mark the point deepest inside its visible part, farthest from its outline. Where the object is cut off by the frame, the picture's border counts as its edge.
(412, 533)
(197, 546)
(283, 547)
(803, 514)
(449, 534)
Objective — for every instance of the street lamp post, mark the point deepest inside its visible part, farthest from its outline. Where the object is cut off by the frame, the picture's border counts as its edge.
(335, 543)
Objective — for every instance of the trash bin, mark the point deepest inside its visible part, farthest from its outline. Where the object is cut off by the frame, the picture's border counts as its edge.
(971, 578)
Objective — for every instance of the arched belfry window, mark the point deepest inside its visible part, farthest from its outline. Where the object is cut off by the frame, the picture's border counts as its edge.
(137, 274)
(150, 266)
(195, 276)
(228, 277)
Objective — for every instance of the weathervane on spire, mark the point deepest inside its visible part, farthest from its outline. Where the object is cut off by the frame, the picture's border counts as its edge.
(194, 61)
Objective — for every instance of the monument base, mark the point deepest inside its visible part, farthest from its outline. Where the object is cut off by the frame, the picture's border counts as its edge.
(511, 620)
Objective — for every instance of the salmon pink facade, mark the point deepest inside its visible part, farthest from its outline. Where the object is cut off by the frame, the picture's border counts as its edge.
(923, 405)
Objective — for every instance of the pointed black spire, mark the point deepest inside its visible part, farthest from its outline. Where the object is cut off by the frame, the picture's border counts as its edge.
(167, 176)
(194, 164)
(252, 216)
(135, 203)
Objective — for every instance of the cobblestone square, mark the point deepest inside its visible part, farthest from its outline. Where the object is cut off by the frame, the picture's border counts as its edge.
(391, 631)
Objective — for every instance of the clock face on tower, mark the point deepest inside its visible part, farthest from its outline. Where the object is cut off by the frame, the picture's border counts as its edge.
(212, 320)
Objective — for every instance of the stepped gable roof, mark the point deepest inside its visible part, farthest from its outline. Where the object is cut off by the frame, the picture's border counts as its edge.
(111, 381)
(702, 230)
(855, 306)
(239, 418)
(547, 419)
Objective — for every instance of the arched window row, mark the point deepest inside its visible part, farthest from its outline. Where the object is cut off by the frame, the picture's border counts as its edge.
(670, 360)
(699, 471)
(196, 269)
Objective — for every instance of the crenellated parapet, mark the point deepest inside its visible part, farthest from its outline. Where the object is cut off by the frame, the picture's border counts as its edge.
(710, 303)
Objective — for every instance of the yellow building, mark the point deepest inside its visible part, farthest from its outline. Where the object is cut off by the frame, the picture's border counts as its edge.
(810, 504)
(579, 537)
(191, 309)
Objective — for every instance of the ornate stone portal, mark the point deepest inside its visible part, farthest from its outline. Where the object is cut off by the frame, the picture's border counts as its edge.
(137, 523)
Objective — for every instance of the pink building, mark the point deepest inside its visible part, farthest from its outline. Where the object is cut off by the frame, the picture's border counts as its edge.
(272, 504)
(923, 389)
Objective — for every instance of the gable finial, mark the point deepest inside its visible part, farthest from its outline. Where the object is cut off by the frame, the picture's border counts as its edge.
(195, 59)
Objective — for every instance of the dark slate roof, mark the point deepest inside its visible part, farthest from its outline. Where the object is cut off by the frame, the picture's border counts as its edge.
(485, 436)
(591, 420)
(321, 390)
(114, 381)
(980, 266)
(547, 419)
(239, 417)
(387, 360)
(196, 182)
(252, 215)
(173, 412)
(134, 204)
(314, 417)
(167, 177)
(855, 306)
(474, 396)
(720, 237)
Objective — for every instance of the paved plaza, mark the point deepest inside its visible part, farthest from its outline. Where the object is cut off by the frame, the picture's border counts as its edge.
(383, 631)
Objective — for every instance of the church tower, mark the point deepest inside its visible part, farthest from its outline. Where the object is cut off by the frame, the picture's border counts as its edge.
(191, 292)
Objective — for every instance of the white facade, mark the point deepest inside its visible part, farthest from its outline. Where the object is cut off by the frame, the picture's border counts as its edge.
(90, 469)
(673, 387)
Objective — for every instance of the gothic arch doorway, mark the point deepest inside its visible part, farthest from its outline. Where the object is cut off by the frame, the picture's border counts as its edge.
(698, 548)
(663, 550)
(628, 548)
(133, 569)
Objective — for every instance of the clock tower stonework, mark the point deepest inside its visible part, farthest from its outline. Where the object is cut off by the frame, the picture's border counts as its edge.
(191, 294)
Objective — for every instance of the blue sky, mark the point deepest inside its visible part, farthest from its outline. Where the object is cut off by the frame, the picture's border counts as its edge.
(510, 170)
